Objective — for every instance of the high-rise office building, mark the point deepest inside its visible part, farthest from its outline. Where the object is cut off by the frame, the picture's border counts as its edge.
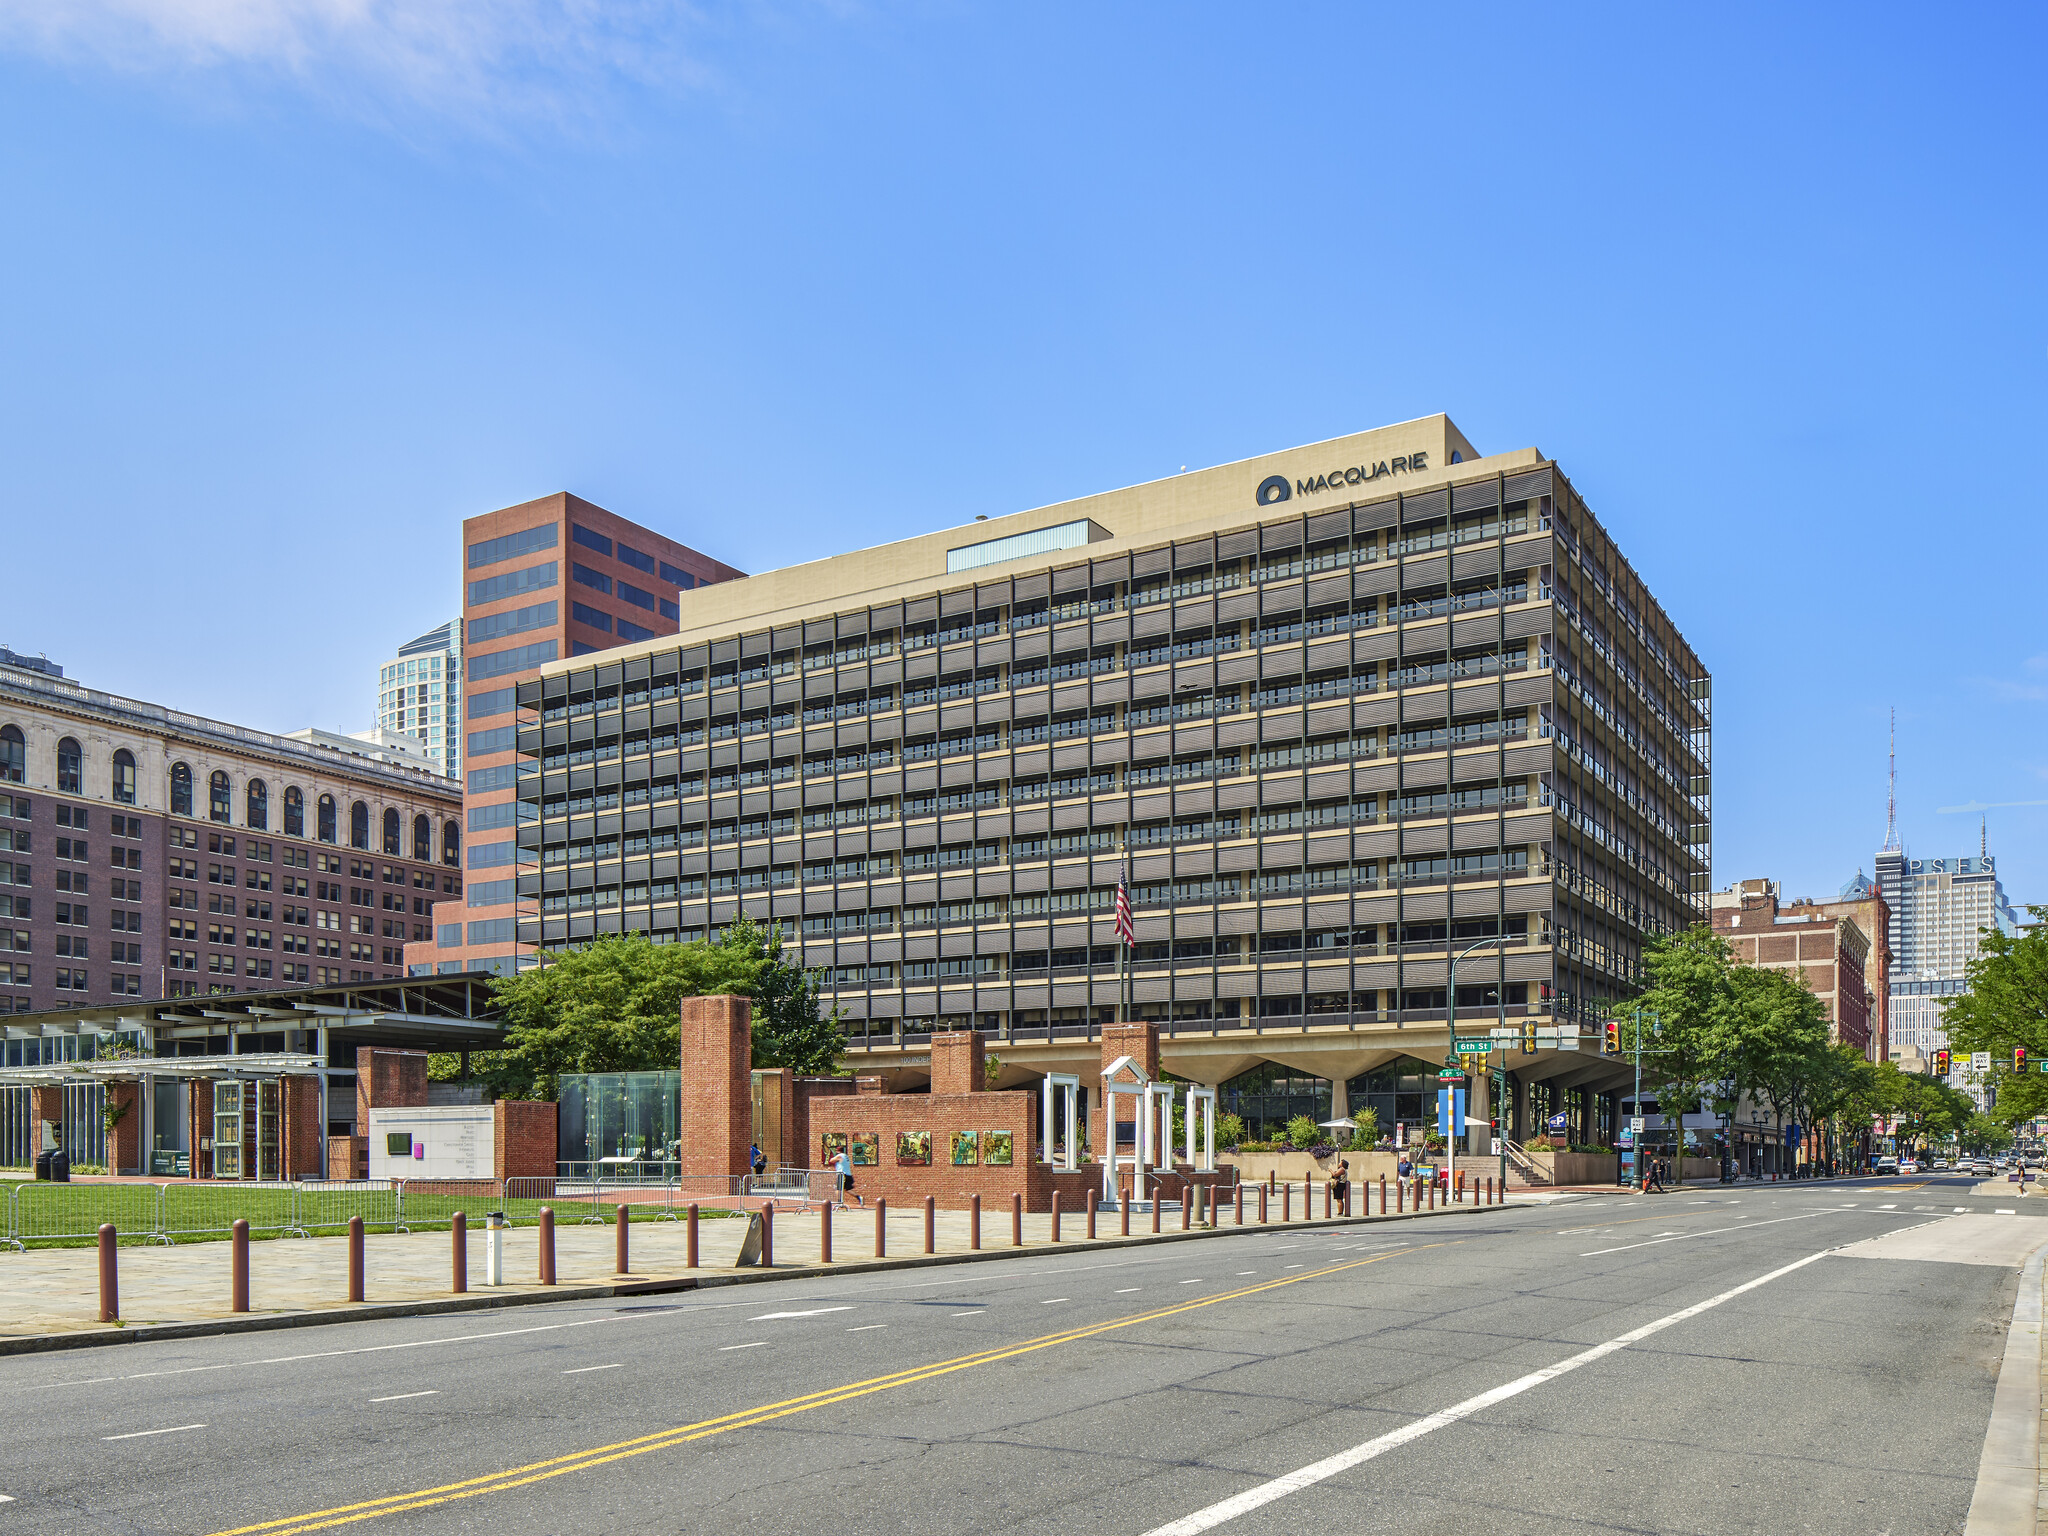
(419, 694)
(1939, 908)
(1346, 717)
(543, 581)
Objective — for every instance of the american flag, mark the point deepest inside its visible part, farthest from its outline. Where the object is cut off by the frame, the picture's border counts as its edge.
(1124, 930)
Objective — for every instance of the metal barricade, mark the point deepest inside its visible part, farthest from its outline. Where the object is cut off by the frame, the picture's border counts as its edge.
(211, 1210)
(426, 1204)
(580, 1200)
(325, 1206)
(55, 1214)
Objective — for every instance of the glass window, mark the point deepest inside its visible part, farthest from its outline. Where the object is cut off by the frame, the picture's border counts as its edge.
(13, 754)
(590, 540)
(327, 829)
(591, 616)
(422, 838)
(359, 825)
(294, 812)
(181, 789)
(1270, 1095)
(220, 801)
(451, 843)
(70, 767)
(124, 777)
(1400, 1092)
(258, 798)
(392, 825)
(631, 556)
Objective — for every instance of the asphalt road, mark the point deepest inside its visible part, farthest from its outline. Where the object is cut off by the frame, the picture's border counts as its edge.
(1116, 1394)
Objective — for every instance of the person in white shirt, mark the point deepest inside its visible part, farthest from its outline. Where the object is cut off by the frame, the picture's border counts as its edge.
(842, 1167)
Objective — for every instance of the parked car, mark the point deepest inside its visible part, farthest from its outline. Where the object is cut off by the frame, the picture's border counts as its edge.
(1886, 1164)
(1907, 1165)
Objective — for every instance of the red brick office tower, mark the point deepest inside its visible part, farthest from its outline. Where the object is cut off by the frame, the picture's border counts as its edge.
(544, 580)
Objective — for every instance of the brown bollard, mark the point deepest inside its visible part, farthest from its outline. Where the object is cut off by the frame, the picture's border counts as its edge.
(1187, 1206)
(547, 1242)
(931, 1224)
(1287, 1202)
(355, 1258)
(1240, 1205)
(1400, 1199)
(690, 1236)
(1125, 1194)
(1091, 1215)
(1272, 1188)
(1326, 1202)
(882, 1228)
(238, 1268)
(1432, 1193)
(768, 1235)
(1016, 1221)
(1262, 1205)
(1155, 1206)
(620, 1242)
(1383, 1194)
(825, 1233)
(1055, 1215)
(458, 1252)
(974, 1221)
(110, 1277)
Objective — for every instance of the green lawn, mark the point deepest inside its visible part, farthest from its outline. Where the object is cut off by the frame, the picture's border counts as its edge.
(69, 1215)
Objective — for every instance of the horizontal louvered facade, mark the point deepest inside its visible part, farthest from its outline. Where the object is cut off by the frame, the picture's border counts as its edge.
(1329, 741)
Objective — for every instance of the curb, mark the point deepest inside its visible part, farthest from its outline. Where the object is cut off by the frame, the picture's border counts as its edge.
(2008, 1473)
(94, 1338)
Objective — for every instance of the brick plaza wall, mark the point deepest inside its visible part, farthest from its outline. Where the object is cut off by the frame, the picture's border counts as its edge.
(387, 1079)
(302, 1148)
(348, 1157)
(941, 1114)
(715, 1108)
(523, 1142)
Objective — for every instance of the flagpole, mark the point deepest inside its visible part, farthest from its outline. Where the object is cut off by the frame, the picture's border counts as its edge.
(1123, 947)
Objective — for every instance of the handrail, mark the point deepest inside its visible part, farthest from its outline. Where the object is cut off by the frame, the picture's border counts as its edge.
(1519, 1156)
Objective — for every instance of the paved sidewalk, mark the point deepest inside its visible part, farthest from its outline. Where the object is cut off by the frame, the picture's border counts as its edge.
(49, 1293)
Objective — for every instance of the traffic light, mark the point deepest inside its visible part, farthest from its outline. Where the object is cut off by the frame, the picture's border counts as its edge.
(2019, 1058)
(1941, 1064)
(1613, 1044)
(1529, 1038)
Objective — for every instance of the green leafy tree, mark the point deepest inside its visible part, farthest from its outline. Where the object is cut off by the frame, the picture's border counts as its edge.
(614, 1006)
(2005, 1005)
(1777, 1038)
(1687, 1018)
(1367, 1134)
(1983, 1133)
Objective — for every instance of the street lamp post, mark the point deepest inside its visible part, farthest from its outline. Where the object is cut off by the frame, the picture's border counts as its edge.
(1453, 1058)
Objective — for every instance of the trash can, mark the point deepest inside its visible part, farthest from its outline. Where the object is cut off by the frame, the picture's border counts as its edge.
(60, 1166)
(43, 1164)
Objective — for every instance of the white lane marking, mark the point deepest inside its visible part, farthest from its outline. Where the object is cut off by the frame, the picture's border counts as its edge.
(755, 1345)
(867, 1327)
(1316, 1472)
(1294, 1266)
(617, 1365)
(1196, 1281)
(771, 1317)
(1052, 1300)
(399, 1397)
(1961, 1208)
(975, 1313)
(1887, 1207)
(143, 1433)
(1129, 1289)
(1243, 1272)
(1710, 1232)
(2005, 1210)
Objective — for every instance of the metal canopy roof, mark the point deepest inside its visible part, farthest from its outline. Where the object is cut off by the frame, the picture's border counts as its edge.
(128, 1069)
(421, 1012)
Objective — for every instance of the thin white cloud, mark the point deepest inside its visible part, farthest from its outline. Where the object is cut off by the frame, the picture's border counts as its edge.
(484, 62)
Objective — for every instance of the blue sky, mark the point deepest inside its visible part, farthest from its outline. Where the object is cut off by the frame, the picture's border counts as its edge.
(290, 290)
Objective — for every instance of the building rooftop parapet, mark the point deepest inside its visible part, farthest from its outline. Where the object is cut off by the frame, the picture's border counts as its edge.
(62, 693)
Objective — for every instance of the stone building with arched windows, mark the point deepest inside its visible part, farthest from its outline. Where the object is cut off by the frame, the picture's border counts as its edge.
(148, 853)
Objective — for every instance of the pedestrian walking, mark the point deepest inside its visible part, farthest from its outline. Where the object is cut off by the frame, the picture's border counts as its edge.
(1655, 1183)
(842, 1166)
(1340, 1179)
(756, 1163)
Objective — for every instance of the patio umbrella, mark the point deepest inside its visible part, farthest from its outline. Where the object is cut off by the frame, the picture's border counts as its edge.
(1345, 1124)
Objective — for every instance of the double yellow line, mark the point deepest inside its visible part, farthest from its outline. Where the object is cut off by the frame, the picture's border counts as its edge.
(597, 1456)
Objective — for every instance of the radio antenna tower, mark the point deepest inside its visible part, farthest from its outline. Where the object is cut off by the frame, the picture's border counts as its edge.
(1891, 798)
